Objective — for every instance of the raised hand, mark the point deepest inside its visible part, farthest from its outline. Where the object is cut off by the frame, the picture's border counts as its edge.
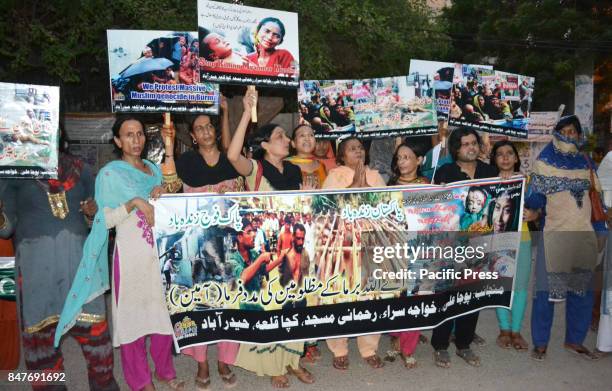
(89, 207)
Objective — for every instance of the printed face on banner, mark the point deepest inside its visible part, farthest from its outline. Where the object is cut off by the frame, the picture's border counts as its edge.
(492, 101)
(29, 116)
(368, 108)
(157, 71)
(248, 45)
(433, 80)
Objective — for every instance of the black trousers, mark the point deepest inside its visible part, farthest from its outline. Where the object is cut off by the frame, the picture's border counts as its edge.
(465, 327)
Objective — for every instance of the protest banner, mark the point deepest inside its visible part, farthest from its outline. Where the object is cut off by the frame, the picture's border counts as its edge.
(368, 108)
(29, 116)
(281, 266)
(542, 124)
(248, 45)
(492, 101)
(434, 80)
(157, 71)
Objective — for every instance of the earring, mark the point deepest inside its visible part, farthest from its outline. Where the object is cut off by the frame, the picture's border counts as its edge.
(194, 141)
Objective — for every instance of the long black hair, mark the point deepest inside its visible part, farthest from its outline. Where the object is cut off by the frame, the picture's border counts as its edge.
(119, 121)
(502, 143)
(261, 135)
(214, 121)
(419, 149)
(280, 24)
(454, 140)
(512, 224)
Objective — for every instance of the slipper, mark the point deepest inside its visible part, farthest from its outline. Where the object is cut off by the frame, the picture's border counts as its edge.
(202, 384)
(504, 339)
(519, 343)
(469, 357)
(229, 379)
(442, 358)
(312, 354)
(280, 381)
(478, 340)
(341, 363)
(409, 361)
(539, 353)
(173, 384)
(374, 361)
(581, 351)
(302, 374)
(391, 355)
(601, 354)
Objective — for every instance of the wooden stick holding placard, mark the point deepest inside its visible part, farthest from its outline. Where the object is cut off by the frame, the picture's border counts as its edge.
(167, 122)
(254, 108)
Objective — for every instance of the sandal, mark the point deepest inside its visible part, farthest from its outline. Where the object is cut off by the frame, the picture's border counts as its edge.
(600, 354)
(539, 353)
(409, 361)
(280, 381)
(202, 384)
(341, 363)
(581, 351)
(229, 379)
(504, 339)
(519, 343)
(312, 354)
(174, 384)
(478, 340)
(442, 358)
(374, 361)
(391, 355)
(469, 357)
(302, 374)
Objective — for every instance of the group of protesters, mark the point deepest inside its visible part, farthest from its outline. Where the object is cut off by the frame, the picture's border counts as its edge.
(69, 219)
(474, 102)
(327, 113)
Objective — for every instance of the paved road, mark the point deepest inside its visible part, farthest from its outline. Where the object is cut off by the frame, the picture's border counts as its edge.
(500, 370)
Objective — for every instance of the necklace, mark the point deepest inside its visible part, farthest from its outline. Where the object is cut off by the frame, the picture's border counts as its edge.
(59, 204)
(68, 175)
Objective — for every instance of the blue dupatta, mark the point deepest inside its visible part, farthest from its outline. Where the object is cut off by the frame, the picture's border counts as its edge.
(117, 183)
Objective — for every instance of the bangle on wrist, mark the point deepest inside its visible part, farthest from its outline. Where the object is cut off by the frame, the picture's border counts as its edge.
(3, 220)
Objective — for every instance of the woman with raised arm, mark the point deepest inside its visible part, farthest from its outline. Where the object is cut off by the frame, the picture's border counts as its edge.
(269, 171)
(206, 169)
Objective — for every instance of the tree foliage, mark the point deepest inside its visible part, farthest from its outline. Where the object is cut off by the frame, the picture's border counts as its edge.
(64, 41)
(547, 39)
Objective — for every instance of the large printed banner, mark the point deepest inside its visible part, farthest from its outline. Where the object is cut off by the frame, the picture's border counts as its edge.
(29, 116)
(157, 71)
(368, 108)
(248, 45)
(492, 101)
(264, 267)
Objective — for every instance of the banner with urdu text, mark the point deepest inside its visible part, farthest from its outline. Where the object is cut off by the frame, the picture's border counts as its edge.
(282, 266)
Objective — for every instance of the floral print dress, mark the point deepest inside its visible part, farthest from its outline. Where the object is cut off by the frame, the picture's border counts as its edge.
(138, 304)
